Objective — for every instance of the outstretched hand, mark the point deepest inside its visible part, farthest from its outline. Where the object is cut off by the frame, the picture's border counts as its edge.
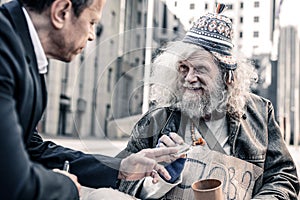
(145, 163)
(175, 168)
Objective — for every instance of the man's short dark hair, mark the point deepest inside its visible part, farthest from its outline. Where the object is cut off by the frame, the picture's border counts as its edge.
(41, 5)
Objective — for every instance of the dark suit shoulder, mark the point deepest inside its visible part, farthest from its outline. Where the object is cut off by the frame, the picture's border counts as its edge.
(12, 50)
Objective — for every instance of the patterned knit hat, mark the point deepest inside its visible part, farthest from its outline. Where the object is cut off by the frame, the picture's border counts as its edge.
(213, 32)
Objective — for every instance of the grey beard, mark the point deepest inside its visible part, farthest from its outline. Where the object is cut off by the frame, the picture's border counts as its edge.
(196, 106)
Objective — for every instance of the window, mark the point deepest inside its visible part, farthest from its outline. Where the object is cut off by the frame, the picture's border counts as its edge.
(107, 118)
(109, 79)
(138, 41)
(256, 19)
(241, 34)
(137, 61)
(256, 4)
(139, 17)
(113, 17)
(242, 5)
(229, 6)
(206, 6)
(165, 20)
(192, 6)
(241, 20)
(256, 34)
(111, 51)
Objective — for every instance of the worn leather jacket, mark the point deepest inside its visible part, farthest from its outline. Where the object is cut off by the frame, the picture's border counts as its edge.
(255, 138)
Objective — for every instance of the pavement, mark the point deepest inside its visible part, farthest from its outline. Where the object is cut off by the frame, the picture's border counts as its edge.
(112, 147)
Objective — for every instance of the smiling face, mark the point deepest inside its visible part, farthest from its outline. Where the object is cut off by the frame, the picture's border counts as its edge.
(198, 73)
(201, 84)
(71, 38)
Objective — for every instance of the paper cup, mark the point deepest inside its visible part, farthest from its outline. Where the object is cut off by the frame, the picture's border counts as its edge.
(208, 189)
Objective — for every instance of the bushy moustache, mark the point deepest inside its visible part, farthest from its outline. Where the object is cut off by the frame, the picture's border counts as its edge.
(196, 85)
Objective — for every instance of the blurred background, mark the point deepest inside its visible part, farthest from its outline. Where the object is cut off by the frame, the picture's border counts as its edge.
(104, 91)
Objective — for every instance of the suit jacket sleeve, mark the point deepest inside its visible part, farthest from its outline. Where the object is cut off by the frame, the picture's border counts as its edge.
(22, 174)
(92, 170)
(20, 177)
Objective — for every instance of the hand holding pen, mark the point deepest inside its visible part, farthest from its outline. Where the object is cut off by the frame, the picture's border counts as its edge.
(66, 166)
(65, 171)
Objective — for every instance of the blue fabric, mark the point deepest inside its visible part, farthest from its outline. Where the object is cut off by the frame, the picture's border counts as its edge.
(175, 168)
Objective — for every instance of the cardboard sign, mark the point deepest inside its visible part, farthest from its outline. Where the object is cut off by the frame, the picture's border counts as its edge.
(238, 176)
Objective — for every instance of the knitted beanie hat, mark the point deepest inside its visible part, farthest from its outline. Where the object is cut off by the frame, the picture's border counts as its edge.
(213, 32)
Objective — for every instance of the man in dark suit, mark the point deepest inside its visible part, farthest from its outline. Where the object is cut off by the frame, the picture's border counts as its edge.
(32, 31)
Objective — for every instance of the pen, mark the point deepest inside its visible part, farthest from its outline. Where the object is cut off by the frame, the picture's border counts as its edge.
(66, 166)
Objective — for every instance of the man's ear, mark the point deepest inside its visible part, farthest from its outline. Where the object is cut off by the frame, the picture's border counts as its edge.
(60, 10)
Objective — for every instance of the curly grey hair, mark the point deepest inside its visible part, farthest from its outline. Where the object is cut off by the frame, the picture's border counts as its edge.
(165, 90)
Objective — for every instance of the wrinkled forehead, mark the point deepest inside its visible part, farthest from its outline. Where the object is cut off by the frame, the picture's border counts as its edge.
(199, 57)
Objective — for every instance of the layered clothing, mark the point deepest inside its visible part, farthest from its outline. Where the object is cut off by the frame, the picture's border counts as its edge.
(255, 139)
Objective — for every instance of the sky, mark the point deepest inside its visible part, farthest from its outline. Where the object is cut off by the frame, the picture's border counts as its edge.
(289, 13)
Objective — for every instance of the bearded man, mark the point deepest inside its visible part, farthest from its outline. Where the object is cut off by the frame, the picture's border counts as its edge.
(201, 92)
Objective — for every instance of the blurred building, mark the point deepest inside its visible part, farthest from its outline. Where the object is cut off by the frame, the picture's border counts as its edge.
(4, 1)
(252, 21)
(100, 93)
(289, 84)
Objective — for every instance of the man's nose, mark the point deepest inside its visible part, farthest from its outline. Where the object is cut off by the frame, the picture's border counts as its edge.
(91, 35)
(191, 77)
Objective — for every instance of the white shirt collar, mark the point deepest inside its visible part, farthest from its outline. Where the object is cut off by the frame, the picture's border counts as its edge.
(38, 49)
